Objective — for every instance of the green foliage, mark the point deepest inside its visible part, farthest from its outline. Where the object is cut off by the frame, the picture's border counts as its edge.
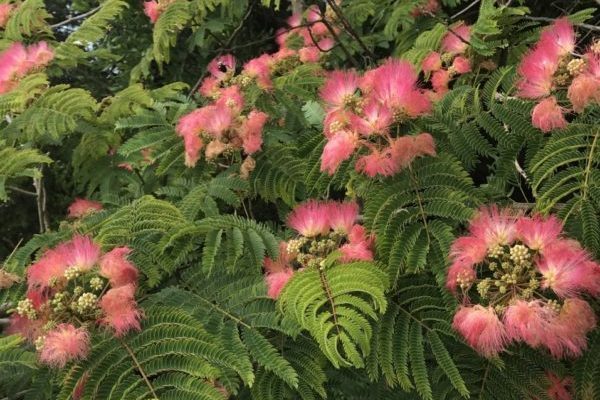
(15, 163)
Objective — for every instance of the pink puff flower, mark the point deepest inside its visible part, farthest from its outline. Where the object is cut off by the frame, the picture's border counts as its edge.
(13, 64)
(559, 35)
(376, 119)
(342, 216)
(494, 226)
(560, 388)
(336, 121)
(309, 54)
(456, 42)
(63, 344)
(367, 81)
(210, 87)
(461, 65)
(5, 10)
(339, 148)
(564, 267)
(469, 248)
(377, 163)
(215, 120)
(232, 98)
(120, 309)
(30, 329)
(481, 329)
(115, 267)
(359, 246)
(406, 148)
(568, 333)
(537, 232)
(432, 62)
(277, 280)
(221, 66)
(153, 10)
(82, 207)
(395, 85)
(214, 149)
(251, 131)
(310, 219)
(192, 145)
(528, 321)
(260, 69)
(82, 252)
(547, 115)
(583, 90)
(536, 70)
(39, 55)
(50, 267)
(339, 87)
(440, 80)
(460, 272)
(326, 44)
(426, 7)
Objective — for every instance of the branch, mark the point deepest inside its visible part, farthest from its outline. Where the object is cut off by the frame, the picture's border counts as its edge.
(40, 193)
(349, 28)
(77, 17)
(139, 368)
(581, 25)
(464, 10)
(22, 191)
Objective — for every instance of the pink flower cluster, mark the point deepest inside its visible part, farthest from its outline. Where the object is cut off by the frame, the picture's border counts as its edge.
(5, 10)
(550, 66)
(323, 227)
(441, 68)
(17, 61)
(221, 127)
(427, 7)
(71, 288)
(361, 111)
(154, 8)
(520, 280)
(82, 207)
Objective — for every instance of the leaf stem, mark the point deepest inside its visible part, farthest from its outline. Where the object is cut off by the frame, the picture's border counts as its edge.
(139, 368)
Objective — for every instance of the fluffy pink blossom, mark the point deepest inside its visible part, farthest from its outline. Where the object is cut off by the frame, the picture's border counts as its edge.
(214, 149)
(276, 281)
(326, 44)
(461, 271)
(377, 163)
(339, 88)
(440, 80)
(481, 328)
(339, 148)
(456, 41)
(568, 333)
(82, 207)
(494, 226)
(536, 71)
(560, 35)
(63, 344)
(221, 66)
(251, 131)
(117, 269)
(38, 297)
(30, 329)
(82, 252)
(50, 267)
(232, 98)
(192, 145)
(39, 55)
(461, 65)
(426, 7)
(342, 216)
(153, 10)
(310, 218)
(376, 118)
(537, 232)
(281, 263)
(120, 309)
(547, 115)
(359, 246)
(17, 61)
(432, 62)
(528, 321)
(336, 121)
(583, 90)
(260, 69)
(406, 148)
(564, 269)
(5, 10)
(210, 87)
(309, 54)
(470, 249)
(211, 119)
(395, 85)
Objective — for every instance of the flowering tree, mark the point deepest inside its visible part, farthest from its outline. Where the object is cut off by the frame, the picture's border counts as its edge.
(344, 199)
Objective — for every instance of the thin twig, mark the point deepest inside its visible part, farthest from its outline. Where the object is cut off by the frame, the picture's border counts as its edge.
(77, 17)
(139, 368)
(464, 10)
(546, 19)
(40, 193)
(349, 28)
(22, 191)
